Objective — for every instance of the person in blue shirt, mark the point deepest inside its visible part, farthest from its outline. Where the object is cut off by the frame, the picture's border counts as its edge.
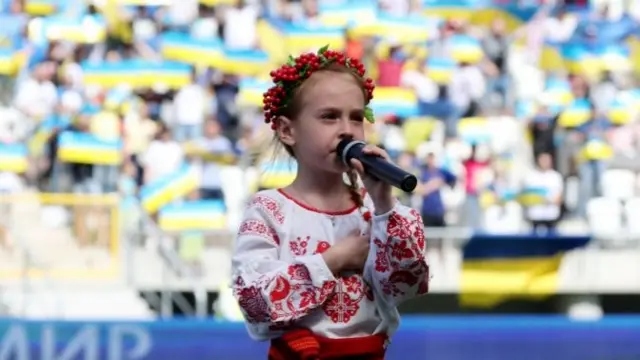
(432, 178)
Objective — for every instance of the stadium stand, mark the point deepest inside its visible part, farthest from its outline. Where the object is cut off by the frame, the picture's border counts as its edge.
(131, 134)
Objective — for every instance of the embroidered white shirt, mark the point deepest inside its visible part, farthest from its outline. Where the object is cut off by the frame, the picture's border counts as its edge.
(281, 279)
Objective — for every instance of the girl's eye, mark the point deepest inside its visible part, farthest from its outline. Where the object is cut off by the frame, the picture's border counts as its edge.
(357, 118)
(330, 116)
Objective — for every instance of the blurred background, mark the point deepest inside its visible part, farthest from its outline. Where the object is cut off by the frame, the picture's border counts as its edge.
(131, 136)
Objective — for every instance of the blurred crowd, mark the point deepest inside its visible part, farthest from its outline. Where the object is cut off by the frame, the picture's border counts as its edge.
(500, 142)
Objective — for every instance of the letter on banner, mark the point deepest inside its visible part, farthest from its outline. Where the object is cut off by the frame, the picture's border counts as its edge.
(86, 342)
(140, 349)
(15, 345)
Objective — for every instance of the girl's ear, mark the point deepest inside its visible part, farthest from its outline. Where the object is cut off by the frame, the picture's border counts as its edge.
(285, 131)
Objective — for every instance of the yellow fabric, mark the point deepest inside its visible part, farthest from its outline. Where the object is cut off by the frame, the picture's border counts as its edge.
(106, 125)
(487, 283)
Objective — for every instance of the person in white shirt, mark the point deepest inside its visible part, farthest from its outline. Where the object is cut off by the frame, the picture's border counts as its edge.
(214, 143)
(190, 106)
(545, 216)
(467, 88)
(163, 157)
(38, 90)
(241, 27)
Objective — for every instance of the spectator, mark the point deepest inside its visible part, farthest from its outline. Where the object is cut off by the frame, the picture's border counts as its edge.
(544, 216)
(213, 143)
(39, 89)
(190, 104)
(390, 69)
(240, 29)
(163, 157)
(474, 170)
(432, 178)
(467, 88)
(543, 126)
(496, 47)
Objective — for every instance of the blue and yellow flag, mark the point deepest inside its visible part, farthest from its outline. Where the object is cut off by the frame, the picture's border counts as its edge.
(169, 188)
(13, 158)
(498, 268)
(277, 174)
(203, 215)
(83, 148)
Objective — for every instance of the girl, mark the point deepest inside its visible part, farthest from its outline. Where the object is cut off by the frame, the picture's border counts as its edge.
(319, 267)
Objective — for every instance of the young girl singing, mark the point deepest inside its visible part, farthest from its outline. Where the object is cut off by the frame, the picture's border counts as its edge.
(320, 266)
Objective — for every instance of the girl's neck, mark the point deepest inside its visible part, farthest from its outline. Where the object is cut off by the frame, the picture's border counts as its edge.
(323, 191)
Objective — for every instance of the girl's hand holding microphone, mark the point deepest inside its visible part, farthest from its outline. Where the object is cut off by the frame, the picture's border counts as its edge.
(380, 192)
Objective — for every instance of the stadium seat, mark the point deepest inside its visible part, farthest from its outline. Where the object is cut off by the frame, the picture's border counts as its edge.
(604, 216)
(618, 184)
(631, 210)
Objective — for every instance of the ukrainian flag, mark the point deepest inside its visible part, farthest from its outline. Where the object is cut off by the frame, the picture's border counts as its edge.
(8, 62)
(530, 196)
(466, 49)
(169, 188)
(575, 114)
(449, 9)
(83, 148)
(13, 158)
(513, 17)
(182, 47)
(412, 29)
(615, 57)
(620, 113)
(277, 174)
(474, 130)
(440, 70)
(347, 13)
(203, 215)
(244, 62)
(194, 149)
(301, 39)
(596, 149)
(137, 74)
(394, 101)
(558, 92)
(579, 60)
(498, 268)
(250, 92)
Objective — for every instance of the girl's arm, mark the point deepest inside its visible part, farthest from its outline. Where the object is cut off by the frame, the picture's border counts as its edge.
(397, 267)
(270, 291)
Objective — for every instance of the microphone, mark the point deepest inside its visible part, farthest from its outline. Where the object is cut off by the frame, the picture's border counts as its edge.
(376, 166)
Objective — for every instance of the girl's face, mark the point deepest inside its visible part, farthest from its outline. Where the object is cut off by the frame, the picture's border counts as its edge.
(331, 108)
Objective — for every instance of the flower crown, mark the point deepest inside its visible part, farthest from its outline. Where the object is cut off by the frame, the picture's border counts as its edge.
(290, 75)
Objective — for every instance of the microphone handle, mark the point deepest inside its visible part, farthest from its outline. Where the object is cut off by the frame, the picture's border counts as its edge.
(387, 172)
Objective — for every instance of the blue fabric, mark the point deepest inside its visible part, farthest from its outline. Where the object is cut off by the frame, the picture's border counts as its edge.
(432, 202)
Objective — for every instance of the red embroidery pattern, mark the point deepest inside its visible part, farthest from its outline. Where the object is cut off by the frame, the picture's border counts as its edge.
(252, 302)
(405, 243)
(258, 228)
(291, 295)
(322, 247)
(269, 206)
(298, 246)
(345, 303)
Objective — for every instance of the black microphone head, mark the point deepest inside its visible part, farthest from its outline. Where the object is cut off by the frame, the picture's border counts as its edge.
(342, 145)
(344, 149)
(409, 183)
